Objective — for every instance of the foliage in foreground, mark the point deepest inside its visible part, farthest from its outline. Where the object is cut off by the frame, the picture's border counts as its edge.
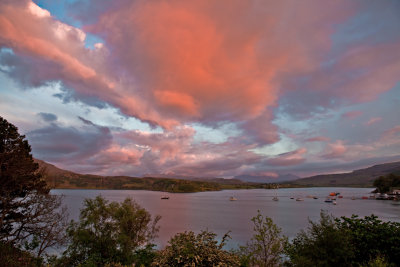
(372, 238)
(11, 256)
(189, 249)
(346, 242)
(109, 232)
(29, 216)
(322, 244)
(266, 247)
(117, 234)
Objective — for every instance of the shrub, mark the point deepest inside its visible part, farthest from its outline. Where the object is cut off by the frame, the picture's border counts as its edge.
(189, 249)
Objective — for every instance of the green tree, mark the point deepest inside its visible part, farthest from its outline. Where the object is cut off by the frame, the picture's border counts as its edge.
(371, 238)
(189, 249)
(11, 256)
(29, 216)
(323, 244)
(379, 261)
(266, 247)
(109, 233)
(384, 184)
(19, 178)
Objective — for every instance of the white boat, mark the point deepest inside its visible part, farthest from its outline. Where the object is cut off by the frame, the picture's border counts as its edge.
(299, 199)
(382, 196)
(165, 197)
(232, 199)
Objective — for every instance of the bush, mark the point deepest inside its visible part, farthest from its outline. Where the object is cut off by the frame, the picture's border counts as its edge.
(110, 233)
(29, 215)
(346, 242)
(266, 247)
(14, 257)
(189, 249)
(323, 244)
(372, 238)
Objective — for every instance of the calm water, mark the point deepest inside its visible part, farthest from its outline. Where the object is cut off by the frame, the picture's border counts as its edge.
(214, 211)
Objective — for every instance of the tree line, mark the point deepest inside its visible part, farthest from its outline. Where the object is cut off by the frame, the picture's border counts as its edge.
(121, 234)
(386, 184)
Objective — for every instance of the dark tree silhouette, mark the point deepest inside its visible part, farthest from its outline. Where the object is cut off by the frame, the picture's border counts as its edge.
(28, 213)
(19, 177)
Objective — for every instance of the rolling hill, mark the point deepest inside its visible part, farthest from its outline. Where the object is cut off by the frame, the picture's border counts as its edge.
(62, 179)
(358, 178)
(59, 178)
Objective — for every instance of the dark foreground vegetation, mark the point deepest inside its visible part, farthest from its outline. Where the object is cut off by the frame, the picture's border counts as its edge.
(121, 234)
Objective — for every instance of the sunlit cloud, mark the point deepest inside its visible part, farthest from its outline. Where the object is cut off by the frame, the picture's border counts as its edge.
(352, 114)
(335, 150)
(373, 120)
(201, 88)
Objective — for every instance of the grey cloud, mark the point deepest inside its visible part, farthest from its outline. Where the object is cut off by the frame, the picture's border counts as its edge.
(56, 143)
(48, 117)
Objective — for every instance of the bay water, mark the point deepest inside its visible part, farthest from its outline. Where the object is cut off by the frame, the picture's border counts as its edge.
(215, 212)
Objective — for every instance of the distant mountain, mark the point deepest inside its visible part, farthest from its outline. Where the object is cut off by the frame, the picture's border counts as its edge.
(267, 179)
(59, 178)
(358, 178)
(55, 174)
(230, 181)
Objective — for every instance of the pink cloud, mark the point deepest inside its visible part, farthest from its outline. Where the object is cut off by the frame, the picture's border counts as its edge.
(335, 150)
(391, 133)
(194, 64)
(361, 73)
(373, 121)
(55, 51)
(290, 158)
(318, 139)
(167, 145)
(180, 62)
(352, 114)
(168, 63)
(31, 31)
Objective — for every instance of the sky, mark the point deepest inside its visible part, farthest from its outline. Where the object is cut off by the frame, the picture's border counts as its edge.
(203, 88)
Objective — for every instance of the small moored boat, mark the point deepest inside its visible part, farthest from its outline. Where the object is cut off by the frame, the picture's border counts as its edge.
(165, 197)
(232, 199)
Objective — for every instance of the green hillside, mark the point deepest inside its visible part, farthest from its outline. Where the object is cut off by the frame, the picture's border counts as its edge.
(62, 179)
(358, 178)
(58, 178)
